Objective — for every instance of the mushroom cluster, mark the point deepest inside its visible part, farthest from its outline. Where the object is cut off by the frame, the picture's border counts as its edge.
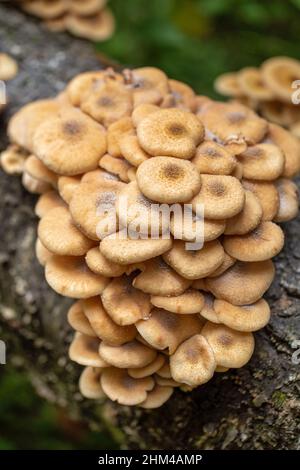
(151, 314)
(268, 90)
(8, 70)
(89, 19)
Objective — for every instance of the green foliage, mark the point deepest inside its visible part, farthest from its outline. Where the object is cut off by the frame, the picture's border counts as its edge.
(196, 40)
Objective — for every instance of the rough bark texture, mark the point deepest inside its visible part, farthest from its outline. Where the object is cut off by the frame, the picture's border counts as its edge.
(256, 407)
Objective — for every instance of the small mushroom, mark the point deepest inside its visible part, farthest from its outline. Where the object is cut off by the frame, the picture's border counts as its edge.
(78, 320)
(124, 303)
(290, 146)
(70, 276)
(166, 330)
(262, 162)
(13, 160)
(170, 132)
(168, 180)
(166, 382)
(222, 196)
(227, 84)
(213, 159)
(132, 151)
(288, 200)
(157, 278)
(278, 74)
(191, 301)
(117, 131)
(149, 369)
(245, 317)
(67, 185)
(100, 265)
(263, 243)
(33, 185)
(102, 324)
(157, 397)
(120, 387)
(248, 219)
(84, 351)
(232, 349)
(116, 166)
(45, 9)
(89, 383)
(267, 195)
(86, 8)
(35, 168)
(132, 354)
(208, 312)
(251, 83)
(228, 261)
(95, 27)
(148, 84)
(191, 226)
(243, 283)
(98, 176)
(165, 371)
(8, 67)
(43, 255)
(81, 84)
(70, 144)
(193, 363)
(143, 110)
(183, 95)
(194, 264)
(58, 233)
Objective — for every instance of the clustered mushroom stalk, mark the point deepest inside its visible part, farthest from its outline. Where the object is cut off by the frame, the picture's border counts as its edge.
(273, 90)
(89, 19)
(150, 314)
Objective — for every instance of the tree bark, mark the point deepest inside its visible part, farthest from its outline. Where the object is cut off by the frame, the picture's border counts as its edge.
(256, 407)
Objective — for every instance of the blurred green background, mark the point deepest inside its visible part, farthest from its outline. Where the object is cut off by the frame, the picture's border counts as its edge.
(193, 41)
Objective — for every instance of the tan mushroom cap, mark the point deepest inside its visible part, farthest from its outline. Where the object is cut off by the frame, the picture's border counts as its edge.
(288, 200)
(165, 371)
(100, 265)
(84, 351)
(249, 217)
(129, 251)
(56, 25)
(124, 303)
(103, 326)
(222, 196)
(290, 146)
(107, 102)
(38, 170)
(131, 150)
(227, 84)
(67, 185)
(167, 382)
(70, 276)
(194, 264)
(168, 180)
(191, 301)
(12, 160)
(117, 166)
(71, 143)
(157, 397)
(133, 354)
(233, 123)
(8, 67)
(208, 312)
(95, 27)
(262, 162)
(243, 283)
(149, 369)
(23, 125)
(238, 171)
(47, 202)
(149, 85)
(81, 83)
(183, 95)
(228, 261)
(45, 9)
(263, 243)
(98, 176)
(193, 363)
(267, 194)
(295, 129)
(279, 73)
(89, 383)
(78, 320)
(244, 318)
(117, 131)
(213, 159)
(42, 254)
(171, 132)
(33, 185)
(157, 278)
(92, 207)
(231, 348)
(251, 83)
(120, 387)
(58, 233)
(166, 330)
(141, 111)
(86, 8)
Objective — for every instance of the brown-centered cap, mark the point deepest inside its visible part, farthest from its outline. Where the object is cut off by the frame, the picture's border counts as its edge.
(124, 303)
(290, 146)
(45, 9)
(95, 27)
(117, 166)
(267, 194)
(33, 185)
(84, 351)
(243, 283)
(67, 186)
(78, 320)
(245, 317)
(231, 348)
(158, 278)
(149, 369)
(288, 200)
(47, 202)
(70, 276)
(81, 84)
(213, 159)
(166, 330)
(262, 162)
(249, 217)
(193, 363)
(120, 387)
(100, 265)
(191, 301)
(168, 180)
(103, 325)
(171, 132)
(222, 196)
(8, 67)
(278, 74)
(252, 84)
(89, 383)
(194, 264)
(133, 354)
(12, 160)
(59, 234)
(227, 84)
(70, 143)
(157, 397)
(208, 312)
(43, 255)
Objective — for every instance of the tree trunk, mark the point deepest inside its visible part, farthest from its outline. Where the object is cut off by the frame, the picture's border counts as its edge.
(256, 407)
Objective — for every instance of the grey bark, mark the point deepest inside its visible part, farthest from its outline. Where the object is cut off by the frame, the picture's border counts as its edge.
(256, 407)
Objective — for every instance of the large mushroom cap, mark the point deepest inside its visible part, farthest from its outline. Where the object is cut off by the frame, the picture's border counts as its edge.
(279, 73)
(245, 317)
